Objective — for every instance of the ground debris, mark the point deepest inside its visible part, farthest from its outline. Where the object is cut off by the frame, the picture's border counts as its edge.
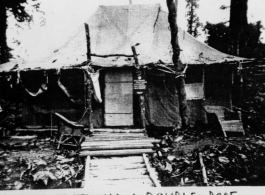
(228, 161)
(38, 168)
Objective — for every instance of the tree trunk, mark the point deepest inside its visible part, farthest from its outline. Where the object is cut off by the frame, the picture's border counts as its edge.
(191, 19)
(180, 82)
(238, 22)
(3, 27)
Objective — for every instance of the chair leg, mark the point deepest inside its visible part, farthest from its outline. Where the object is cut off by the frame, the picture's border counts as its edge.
(59, 142)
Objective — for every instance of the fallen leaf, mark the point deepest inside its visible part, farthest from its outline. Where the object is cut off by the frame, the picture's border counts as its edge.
(38, 175)
(40, 162)
(236, 180)
(22, 173)
(58, 174)
(254, 177)
(66, 160)
(168, 167)
(171, 158)
(178, 139)
(59, 157)
(18, 185)
(186, 161)
(166, 149)
(72, 171)
(51, 175)
(242, 156)
(223, 159)
(244, 179)
(45, 180)
(7, 179)
(2, 164)
(9, 171)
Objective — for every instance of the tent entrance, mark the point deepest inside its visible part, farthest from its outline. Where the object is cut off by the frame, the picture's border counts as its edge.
(118, 98)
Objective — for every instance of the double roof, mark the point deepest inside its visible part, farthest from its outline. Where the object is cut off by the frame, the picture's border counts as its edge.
(114, 29)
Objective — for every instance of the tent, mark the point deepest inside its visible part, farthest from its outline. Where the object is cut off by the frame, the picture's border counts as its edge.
(113, 31)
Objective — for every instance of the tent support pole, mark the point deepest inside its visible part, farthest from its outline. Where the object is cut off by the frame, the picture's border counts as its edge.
(88, 42)
(140, 96)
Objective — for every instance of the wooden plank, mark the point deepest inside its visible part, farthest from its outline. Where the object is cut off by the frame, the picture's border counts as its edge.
(117, 160)
(36, 130)
(140, 135)
(119, 137)
(118, 173)
(146, 140)
(117, 134)
(232, 126)
(152, 175)
(116, 152)
(113, 138)
(97, 131)
(113, 143)
(203, 169)
(87, 172)
(118, 167)
(116, 147)
(128, 176)
(122, 182)
(119, 176)
(117, 144)
(231, 122)
(23, 138)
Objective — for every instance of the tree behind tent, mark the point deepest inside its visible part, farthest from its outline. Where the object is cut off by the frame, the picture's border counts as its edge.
(172, 19)
(233, 39)
(238, 23)
(193, 19)
(18, 9)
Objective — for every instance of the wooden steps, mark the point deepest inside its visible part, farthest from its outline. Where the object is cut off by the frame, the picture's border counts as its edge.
(224, 118)
(120, 172)
(117, 142)
(117, 158)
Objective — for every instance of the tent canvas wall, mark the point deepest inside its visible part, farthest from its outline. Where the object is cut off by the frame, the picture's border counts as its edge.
(43, 92)
(113, 30)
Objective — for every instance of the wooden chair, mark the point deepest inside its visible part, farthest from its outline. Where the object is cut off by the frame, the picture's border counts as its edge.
(227, 120)
(69, 133)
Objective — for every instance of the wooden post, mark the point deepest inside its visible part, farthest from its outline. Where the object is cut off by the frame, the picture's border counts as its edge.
(88, 90)
(135, 56)
(87, 172)
(88, 42)
(140, 96)
(204, 175)
(152, 173)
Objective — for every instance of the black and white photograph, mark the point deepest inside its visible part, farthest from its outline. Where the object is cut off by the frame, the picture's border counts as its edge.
(154, 97)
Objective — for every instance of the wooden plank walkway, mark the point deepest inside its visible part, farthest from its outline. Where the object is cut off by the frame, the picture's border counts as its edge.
(117, 157)
(120, 171)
